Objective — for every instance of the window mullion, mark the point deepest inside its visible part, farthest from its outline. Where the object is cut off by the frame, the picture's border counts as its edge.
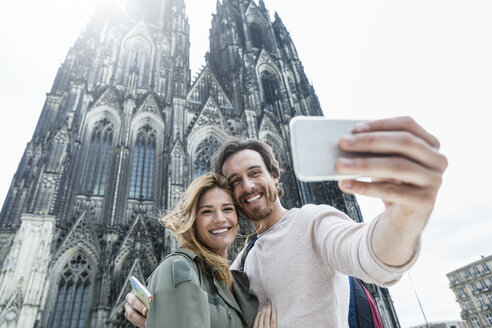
(105, 164)
(86, 183)
(78, 302)
(70, 309)
(96, 169)
(144, 173)
(83, 311)
(133, 171)
(60, 298)
(151, 171)
(66, 305)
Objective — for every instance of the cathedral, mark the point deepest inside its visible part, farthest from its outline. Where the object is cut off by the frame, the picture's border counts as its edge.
(122, 133)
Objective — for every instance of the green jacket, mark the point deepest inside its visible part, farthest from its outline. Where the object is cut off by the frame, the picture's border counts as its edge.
(184, 295)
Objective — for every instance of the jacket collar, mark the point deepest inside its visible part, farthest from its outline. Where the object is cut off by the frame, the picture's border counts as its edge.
(222, 289)
(224, 292)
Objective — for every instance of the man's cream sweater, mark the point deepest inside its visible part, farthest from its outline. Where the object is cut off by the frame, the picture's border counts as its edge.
(301, 265)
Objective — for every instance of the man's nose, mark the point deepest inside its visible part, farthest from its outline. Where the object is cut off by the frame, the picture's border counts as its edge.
(248, 185)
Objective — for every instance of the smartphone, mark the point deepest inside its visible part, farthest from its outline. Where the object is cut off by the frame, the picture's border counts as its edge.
(141, 292)
(314, 141)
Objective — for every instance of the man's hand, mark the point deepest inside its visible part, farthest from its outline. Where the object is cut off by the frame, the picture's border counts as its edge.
(266, 318)
(135, 311)
(407, 180)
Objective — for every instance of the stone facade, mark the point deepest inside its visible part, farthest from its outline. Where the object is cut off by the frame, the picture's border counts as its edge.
(122, 133)
(472, 285)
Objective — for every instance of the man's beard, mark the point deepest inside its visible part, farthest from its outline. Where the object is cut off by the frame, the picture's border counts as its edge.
(258, 213)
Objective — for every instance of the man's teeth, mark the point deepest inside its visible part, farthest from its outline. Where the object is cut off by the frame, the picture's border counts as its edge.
(252, 199)
(216, 232)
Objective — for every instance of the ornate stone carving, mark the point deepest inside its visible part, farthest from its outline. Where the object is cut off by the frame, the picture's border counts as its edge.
(10, 313)
(204, 153)
(108, 98)
(82, 233)
(149, 105)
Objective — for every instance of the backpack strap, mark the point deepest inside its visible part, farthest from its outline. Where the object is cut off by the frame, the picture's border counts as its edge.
(360, 314)
(250, 245)
(376, 317)
(352, 315)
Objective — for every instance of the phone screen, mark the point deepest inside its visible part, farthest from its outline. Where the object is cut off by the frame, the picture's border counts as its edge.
(141, 292)
(314, 141)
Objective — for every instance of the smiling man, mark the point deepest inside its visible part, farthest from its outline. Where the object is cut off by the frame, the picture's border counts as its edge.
(255, 186)
(302, 257)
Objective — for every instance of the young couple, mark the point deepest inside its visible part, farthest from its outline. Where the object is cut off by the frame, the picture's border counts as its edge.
(302, 257)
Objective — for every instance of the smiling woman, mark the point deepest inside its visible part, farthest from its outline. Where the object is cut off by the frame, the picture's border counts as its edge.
(216, 221)
(198, 211)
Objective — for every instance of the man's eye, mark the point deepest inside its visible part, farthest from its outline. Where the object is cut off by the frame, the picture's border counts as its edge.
(234, 182)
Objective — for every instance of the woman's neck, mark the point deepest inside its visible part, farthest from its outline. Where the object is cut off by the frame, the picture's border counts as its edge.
(223, 253)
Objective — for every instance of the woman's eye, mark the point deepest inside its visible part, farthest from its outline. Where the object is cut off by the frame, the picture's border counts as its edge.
(206, 211)
(229, 209)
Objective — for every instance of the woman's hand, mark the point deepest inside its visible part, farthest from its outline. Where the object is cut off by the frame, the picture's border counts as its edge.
(266, 318)
(135, 311)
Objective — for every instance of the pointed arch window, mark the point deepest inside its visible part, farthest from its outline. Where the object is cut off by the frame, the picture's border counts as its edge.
(256, 35)
(136, 60)
(72, 299)
(99, 155)
(203, 155)
(142, 175)
(270, 89)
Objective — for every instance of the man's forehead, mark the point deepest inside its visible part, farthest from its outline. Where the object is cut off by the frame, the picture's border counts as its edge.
(242, 160)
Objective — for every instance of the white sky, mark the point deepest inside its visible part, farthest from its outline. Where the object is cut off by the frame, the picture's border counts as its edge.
(431, 59)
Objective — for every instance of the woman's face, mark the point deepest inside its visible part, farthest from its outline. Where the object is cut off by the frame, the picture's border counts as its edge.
(216, 221)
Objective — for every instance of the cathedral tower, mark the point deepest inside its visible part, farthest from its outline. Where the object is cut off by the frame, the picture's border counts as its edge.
(122, 133)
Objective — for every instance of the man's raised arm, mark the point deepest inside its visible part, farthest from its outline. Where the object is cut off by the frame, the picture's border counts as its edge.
(407, 181)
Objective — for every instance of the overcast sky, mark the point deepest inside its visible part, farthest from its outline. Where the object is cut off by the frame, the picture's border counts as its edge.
(431, 59)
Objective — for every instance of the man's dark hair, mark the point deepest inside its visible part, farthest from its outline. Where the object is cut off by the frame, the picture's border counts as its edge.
(234, 145)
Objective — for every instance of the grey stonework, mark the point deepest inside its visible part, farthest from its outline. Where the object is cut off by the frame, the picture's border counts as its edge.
(124, 116)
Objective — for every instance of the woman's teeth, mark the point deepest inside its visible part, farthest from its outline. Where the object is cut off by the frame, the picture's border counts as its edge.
(216, 232)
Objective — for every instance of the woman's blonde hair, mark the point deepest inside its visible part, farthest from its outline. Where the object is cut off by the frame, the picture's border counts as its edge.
(181, 221)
